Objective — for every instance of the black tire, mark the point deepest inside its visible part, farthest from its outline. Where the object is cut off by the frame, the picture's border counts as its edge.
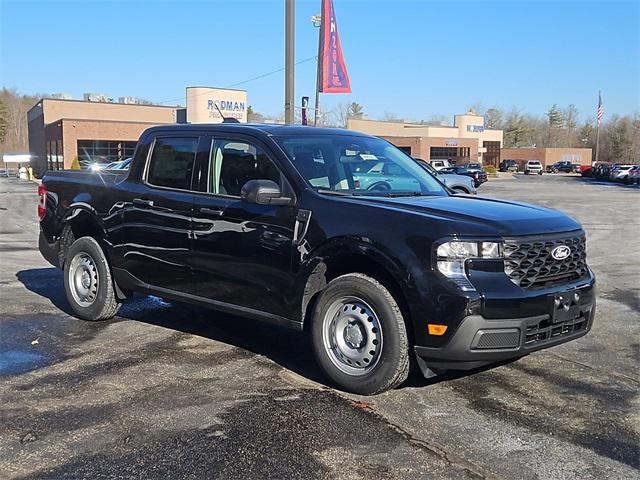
(103, 304)
(391, 368)
(379, 187)
(460, 190)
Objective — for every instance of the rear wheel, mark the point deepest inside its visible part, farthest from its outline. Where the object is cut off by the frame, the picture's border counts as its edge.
(359, 335)
(87, 281)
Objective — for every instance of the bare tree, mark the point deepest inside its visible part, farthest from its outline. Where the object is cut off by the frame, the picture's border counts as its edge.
(390, 117)
(493, 119)
(570, 124)
(14, 119)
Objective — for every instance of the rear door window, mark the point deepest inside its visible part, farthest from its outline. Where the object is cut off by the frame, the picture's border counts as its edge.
(172, 162)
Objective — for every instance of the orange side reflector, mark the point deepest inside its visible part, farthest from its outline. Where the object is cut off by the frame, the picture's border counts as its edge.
(435, 329)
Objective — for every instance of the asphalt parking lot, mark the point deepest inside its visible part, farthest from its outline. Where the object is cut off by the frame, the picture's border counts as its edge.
(166, 390)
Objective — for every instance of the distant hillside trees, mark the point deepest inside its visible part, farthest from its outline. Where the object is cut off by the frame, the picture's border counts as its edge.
(13, 120)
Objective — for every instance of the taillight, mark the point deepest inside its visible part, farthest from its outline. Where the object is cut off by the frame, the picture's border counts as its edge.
(42, 204)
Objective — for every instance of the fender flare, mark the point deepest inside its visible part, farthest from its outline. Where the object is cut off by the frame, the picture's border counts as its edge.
(323, 263)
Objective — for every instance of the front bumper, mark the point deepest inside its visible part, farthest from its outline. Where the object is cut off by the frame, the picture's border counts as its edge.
(479, 341)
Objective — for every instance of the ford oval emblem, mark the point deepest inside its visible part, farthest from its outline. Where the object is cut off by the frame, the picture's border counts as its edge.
(561, 252)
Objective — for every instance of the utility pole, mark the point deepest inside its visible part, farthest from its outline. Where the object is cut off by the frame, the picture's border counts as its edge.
(289, 63)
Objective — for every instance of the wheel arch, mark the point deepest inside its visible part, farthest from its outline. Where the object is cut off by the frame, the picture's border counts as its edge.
(460, 188)
(83, 222)
(355, 258)
(80, 222)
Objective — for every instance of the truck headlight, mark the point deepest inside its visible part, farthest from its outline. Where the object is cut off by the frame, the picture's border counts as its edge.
(451, 258)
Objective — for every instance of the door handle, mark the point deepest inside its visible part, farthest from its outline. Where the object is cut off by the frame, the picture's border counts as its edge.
(142, 203)
(211, 211)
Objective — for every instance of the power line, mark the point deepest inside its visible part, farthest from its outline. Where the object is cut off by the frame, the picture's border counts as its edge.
(246, 81)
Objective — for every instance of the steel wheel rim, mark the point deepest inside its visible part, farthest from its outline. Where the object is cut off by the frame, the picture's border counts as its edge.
(83, 279)
(352, 335)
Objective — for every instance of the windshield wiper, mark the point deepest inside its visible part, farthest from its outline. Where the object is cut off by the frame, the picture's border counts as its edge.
(333, 192)
(408, 194)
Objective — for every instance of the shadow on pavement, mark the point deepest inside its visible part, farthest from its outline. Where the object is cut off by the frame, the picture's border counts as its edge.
(288, 348)
(48, 283)
(603, 182)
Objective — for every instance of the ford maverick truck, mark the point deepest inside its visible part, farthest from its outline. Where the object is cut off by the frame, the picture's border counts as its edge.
(275, 223)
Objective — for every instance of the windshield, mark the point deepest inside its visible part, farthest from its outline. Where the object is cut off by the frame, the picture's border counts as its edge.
(357, 165)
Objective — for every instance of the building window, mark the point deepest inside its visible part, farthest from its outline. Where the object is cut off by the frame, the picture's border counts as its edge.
(443, 152)
(59, 156)
(492, 155)
(54, 155)
(103, 151)
(450, 153)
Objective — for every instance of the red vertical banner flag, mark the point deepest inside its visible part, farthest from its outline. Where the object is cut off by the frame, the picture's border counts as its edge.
(335, 78)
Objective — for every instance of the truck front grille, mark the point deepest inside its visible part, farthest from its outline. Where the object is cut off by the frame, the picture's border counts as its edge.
(529, 264)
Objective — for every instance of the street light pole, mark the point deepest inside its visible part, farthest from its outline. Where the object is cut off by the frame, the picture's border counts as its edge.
(289, 64)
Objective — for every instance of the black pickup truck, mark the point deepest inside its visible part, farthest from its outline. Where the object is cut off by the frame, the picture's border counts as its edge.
(266, 221)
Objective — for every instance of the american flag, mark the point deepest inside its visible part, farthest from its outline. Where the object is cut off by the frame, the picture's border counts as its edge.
(600, 109)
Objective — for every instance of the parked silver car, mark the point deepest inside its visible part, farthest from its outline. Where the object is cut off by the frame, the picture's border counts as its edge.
(457, 183)
(620, 173)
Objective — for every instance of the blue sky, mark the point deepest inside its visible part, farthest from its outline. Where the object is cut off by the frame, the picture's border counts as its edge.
(414, 59)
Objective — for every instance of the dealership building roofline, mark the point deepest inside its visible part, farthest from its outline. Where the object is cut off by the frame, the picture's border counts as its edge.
(467, 140)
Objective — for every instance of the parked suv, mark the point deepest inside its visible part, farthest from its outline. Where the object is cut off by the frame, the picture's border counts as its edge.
(268, 222)
(620, 173)
(634, 175)
(564, 166)
(478, 175)
(533, 166)
(440, 164)
(509, 166)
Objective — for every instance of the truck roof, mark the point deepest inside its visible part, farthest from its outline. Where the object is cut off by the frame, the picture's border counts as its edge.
(263, 128)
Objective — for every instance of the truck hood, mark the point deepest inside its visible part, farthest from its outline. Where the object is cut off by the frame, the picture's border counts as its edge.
(486, 216)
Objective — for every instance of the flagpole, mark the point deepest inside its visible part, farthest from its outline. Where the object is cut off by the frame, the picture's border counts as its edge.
(598, 126)
(597, 142)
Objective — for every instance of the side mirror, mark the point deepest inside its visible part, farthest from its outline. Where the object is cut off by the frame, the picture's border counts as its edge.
(263, 192)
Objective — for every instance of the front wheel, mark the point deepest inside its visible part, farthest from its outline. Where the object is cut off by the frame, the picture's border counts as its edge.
(379, 187)
(87, 281)
(359, 335)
